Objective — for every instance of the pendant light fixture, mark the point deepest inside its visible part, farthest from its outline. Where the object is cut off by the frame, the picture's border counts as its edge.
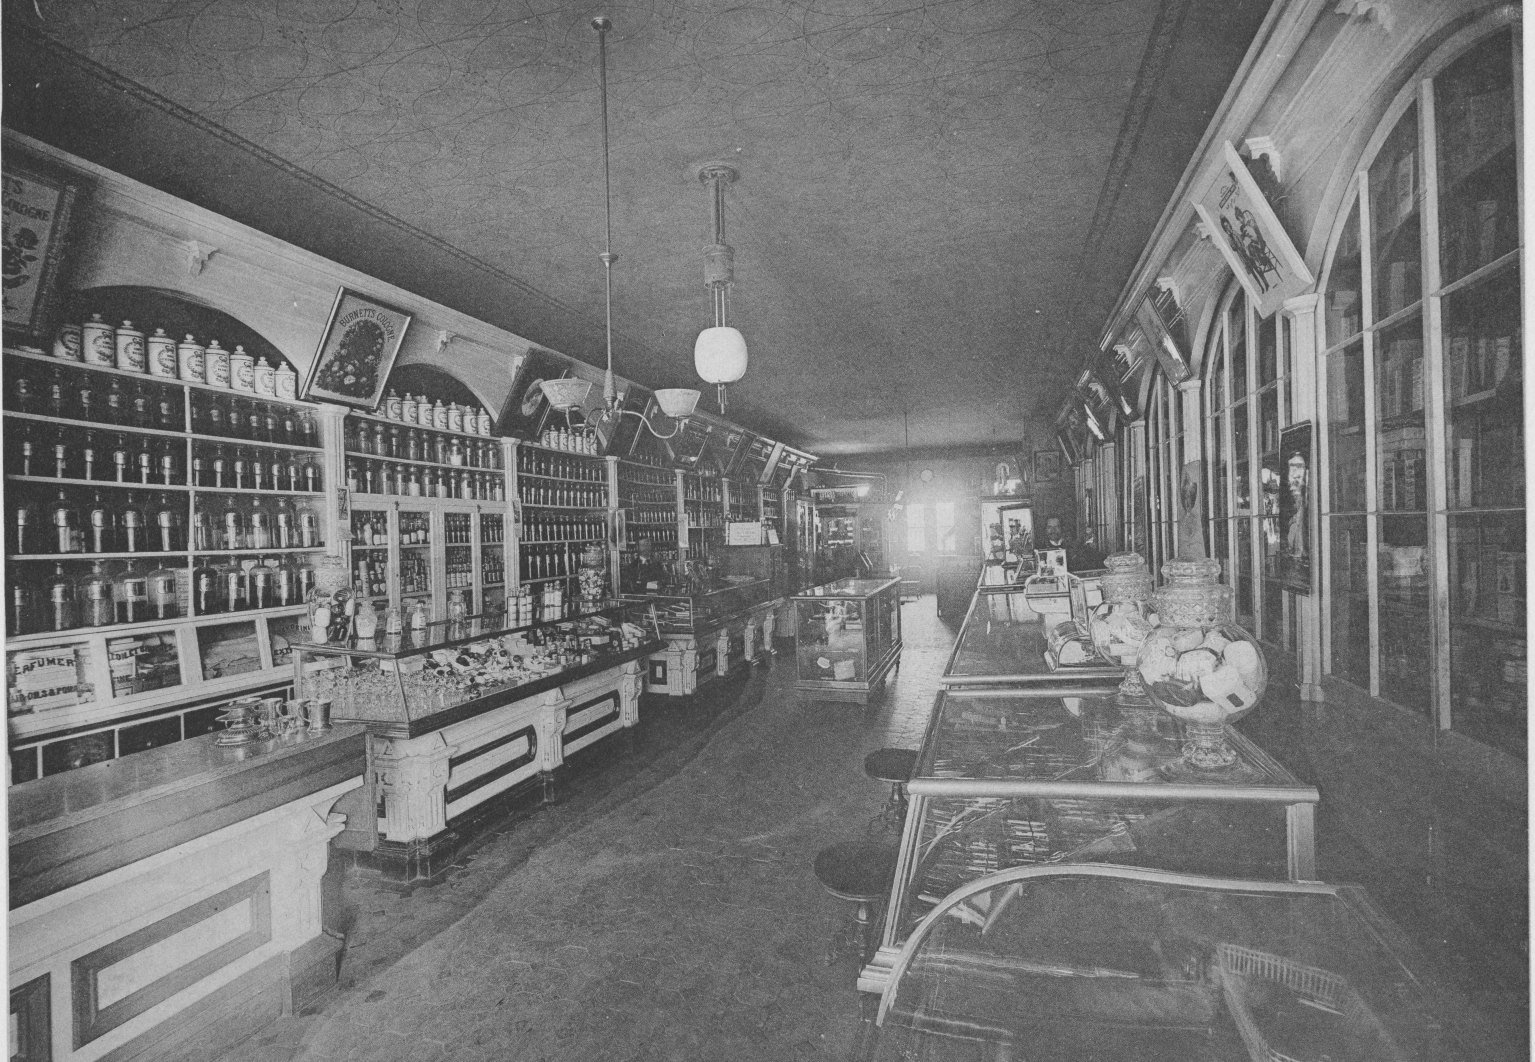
(719, 353)
(568, 395)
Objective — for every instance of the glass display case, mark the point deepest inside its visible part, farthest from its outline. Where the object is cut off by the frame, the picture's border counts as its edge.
(848, 637)
(698, 613)
(1004, 642)
(1118, 963)
(409, 684)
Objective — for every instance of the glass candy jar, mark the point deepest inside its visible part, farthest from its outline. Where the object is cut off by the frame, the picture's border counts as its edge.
(1197, 665)
(1123, 622)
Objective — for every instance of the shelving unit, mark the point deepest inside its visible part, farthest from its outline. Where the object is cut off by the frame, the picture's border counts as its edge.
(126, 537)
(563, 507)
(703, 504)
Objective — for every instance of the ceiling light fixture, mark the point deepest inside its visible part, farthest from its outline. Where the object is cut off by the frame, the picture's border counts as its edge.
(719, 354)
(568, 395)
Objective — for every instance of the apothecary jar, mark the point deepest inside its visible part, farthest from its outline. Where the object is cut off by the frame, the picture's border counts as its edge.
(1199, 666)
(1123, 622)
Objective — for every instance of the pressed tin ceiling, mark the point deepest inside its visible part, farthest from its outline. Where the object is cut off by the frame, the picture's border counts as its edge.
(938, 202)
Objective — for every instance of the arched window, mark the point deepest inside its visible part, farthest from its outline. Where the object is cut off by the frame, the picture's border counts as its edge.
(1422, 434)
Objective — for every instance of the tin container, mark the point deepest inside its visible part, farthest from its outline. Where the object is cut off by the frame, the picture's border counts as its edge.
(216, 364)
(67, 345)
(242, 371)
(189, 361)
(160, 353)
(130, 348)
(98, 341)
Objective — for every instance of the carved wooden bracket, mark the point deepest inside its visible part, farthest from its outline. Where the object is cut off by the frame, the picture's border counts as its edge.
(1380, 10)
(198, 254)
(1264, 147)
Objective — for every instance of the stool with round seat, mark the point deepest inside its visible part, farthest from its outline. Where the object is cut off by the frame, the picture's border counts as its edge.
(895, 766)
(861, 872)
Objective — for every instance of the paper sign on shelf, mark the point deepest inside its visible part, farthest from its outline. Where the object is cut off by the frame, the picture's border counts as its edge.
(743, 533)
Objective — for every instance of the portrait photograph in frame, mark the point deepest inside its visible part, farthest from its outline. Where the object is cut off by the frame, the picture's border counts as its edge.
(1295, 508)
(1047, 465)
(362, 338)
(41, 209)
(1245, 229)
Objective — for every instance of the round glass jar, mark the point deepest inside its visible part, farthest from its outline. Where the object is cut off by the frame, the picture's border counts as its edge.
(1199, 666)
(1123, 622)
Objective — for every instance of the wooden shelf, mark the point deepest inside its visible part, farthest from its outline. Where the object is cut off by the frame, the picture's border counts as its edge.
(420, 463)
(374, 418)
(106, 370)
(96, 425)
(70, 482)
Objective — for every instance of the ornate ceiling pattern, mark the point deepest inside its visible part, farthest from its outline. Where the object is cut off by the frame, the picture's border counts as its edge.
(924, 235)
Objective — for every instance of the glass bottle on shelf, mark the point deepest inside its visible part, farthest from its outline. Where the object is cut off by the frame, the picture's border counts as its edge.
(207, 589)
(121, 460)
(167, 524)
(232, 586)
(99, 519)
(308, 525)
(215, 418)
(60, 595)
(261, 584)
(96, 597)
(140, 407)
(306, 579)
(131, 528)
(23, 616)
(85, 399)
(232, 526)
(311, 476)
(23, 397)
(116, 411)
(66, 525)
(219, 471)
(258, 468)
(24, 536)
(413, 445)
(203, 537)
(241, 469)
(27, 450)
(164, 601)
(144, 460)
(286, 576)
(130, 593)
(283, 531)
(167, 410)
(61, 456)
(259, 525)
(169, 471)
(308, 434)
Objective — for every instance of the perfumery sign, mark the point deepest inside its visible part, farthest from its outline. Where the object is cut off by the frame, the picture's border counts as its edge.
(1243, 226)
(362, 339)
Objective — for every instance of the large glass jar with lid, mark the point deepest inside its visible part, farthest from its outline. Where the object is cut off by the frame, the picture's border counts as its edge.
(1199, 666)
(1121, 625)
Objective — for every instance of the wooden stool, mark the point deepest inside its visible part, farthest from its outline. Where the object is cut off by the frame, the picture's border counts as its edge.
(895, 766)
(860, 872)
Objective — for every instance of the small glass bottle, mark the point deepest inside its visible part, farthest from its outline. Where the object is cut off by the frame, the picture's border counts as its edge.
(259, 535)
(232, 586)
(95, 598)
(283, 532)
(167, 525)
(308, 525)
(116, 411)
(286, 577)
(203, 535)
(232, 526)
(207, 589)
(311, 476)
(66, 525)
(131, 536)
(241, 469)
(130, 592)
(144, 460)
(261, 583)
(59, 592)
(164, 600)
(220, 469)
(23, 618)
(24, 534)
(169, 472)
(99, 520)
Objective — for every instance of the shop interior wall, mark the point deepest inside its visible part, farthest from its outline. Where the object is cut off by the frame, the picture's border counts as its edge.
(963, 479)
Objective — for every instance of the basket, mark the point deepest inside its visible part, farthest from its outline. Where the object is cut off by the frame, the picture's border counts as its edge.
(1248, 977)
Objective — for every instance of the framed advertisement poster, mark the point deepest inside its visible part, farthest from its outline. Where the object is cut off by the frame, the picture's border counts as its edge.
(361, 341)
(1295, 508)
(1248, 234)
(1047, 466)
(39, 205)
(523, 412)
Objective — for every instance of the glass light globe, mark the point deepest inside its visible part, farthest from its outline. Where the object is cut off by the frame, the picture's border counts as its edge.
(719, 355)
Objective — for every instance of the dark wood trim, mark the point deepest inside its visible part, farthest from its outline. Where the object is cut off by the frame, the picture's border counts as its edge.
(214, 1023)
(606, 719)
(92, 1021)
(501, 770)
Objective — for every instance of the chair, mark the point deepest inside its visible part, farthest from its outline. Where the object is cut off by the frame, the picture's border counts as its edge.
(860, 872)
(894, 766)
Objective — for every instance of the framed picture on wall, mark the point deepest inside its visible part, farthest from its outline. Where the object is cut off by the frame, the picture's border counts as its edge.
(1295, 508)
(1047, 465)
(1245, 229)
(39, 213)
(361, 341)
(523, 412)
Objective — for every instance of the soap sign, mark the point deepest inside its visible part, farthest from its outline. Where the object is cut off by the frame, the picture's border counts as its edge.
(361, 341)
(45, 679)
(38, 208)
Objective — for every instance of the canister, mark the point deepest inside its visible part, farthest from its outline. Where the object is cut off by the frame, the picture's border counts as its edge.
(482, 424)
(189, 361)
(216, 364)
(264, 378)
(455, 417)
(161, 355)
(286, 381)
(242, 371)
(98, 341)
(393, 406)
(130, 348)
(409, 412)
(67, 344)
(439, 415)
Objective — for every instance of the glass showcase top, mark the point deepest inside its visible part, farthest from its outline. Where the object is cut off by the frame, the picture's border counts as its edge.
(1073, 743)
(448, 634)
(849, 588)
(1114, 963)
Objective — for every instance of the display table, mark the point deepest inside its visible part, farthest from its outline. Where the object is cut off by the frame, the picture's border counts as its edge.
(1002, 642)
(1120, 964)
(847, 638)
(708, 635)
(1017, 777)
(460, 714)
(167, 904)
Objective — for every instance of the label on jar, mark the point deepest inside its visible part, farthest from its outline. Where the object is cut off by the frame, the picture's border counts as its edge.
(99, 342)
(216, 364)
(189, 361)
(130, 349)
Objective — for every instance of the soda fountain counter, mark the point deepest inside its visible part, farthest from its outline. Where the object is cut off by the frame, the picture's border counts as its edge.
(459, 713)
(169, 904)
(848, 638)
